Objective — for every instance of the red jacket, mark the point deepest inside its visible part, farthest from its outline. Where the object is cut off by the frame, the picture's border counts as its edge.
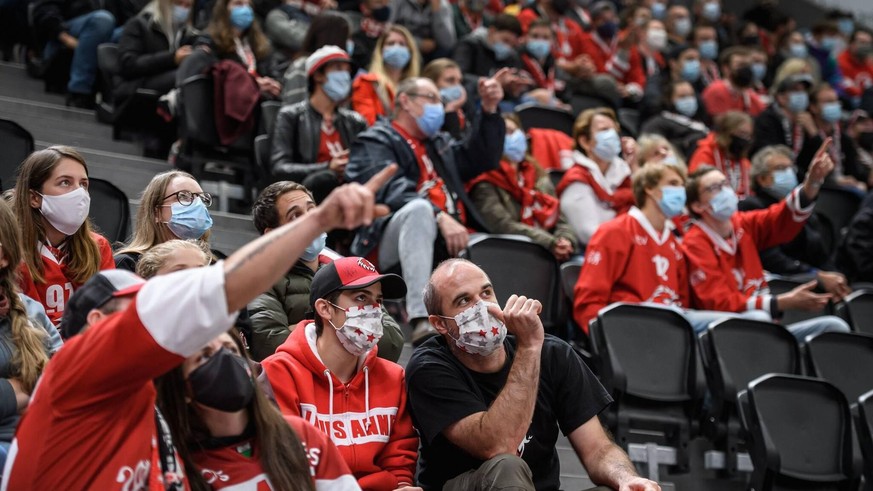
(547, 146)
(727, 275)
(366, 418)
(569, 36)
(366, 100)
(857, 75)
(719, 97)
(738, 172)
(628, 261)
(236, 97)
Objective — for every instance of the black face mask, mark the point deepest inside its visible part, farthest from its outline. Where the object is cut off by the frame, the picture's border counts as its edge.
(561, 6)
(223, 382)
(743, 77)
(865, 140)
(382, 14)
(607, 30)
(750, 40)
(739, 146)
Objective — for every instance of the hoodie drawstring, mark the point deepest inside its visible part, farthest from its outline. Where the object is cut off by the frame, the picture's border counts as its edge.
(367, 395)
(330, 405)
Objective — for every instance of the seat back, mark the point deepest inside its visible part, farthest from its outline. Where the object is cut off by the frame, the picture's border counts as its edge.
(784, 285)
(536, 116)
(843, 359)
(516, 265)
(110, 210)
(198, 116)
(17, 144)
(570, 271)
(858, 310)
(800, 431)
(107, 59)
(262, 158)
(269, 111)
(839, 206)
(555, 176)
(864, 428)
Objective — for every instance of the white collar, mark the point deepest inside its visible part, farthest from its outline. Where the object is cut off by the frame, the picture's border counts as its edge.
(659, 238)
(616, 173)
(727, 245)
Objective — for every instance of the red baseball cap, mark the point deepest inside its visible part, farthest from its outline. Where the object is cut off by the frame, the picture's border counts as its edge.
(350, 273)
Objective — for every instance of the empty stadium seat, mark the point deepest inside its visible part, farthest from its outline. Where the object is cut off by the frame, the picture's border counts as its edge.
(17, 143)
(864, 430)
(844, 359)
(269, 111)
(110, 210)
(838, 206)
(857, 310)
(536, 116)
(800, 435)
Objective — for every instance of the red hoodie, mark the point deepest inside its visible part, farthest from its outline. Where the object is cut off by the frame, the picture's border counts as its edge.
(366, 418)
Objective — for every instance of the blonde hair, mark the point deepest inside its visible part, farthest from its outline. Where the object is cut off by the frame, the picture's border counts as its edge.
(155, 258)
(649, 143)
(648, 177)
(796, 66)
(434, 70)
(148, 232)
(377, 65)
(582, 126)
(29, 356)
(84, 259)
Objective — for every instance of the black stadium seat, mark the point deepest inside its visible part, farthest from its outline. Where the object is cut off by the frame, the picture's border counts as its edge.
(844, 359)
(17, 144)
(536, 116)
(857, 309)
(864, 429)
(110, 210)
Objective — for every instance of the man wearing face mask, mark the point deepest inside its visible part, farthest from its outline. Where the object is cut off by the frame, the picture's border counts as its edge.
(569, 37)
(277, 311)
(311, 139)
(722, 248)
(327, 373)
(704, 37)
(431, 210)
(488, 406)
(787, 120)
(678, 25)
(483, 52)
(856, 62)
(734, 91)
(773, 178)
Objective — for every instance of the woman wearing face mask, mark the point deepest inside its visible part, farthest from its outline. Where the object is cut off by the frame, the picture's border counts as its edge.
(28, 337)
(59, 249)
(173, 206)
(518, 197)
(447, 76)
(727, 149)
(327, 372)
(679, 120)
(395, 58)
(598, 186)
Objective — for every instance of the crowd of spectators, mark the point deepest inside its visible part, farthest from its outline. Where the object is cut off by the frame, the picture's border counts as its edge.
(399, 138)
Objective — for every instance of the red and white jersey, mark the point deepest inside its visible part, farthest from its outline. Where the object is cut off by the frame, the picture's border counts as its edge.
(54, 292)
(91, 419)
(627, 260)
(726, 273)
(228, 469)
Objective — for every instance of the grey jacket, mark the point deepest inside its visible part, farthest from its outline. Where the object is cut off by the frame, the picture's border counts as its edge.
(424, 23)
(8, 405)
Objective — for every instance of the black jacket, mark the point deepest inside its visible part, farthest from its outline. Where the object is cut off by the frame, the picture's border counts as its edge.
(855, 252)
(457, 162)
(297, 136)
(477, 59)
(681, 130)
(803, 253)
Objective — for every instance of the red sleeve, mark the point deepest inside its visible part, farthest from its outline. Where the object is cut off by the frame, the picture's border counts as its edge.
(365, 101)
(328, 468)
(107, 261)
(605, 259)
(684, 291)
(756, 105)
(714, 99)
(701, 156)
(399, 456)
(577, 38)
(282, 383)
(777, 224)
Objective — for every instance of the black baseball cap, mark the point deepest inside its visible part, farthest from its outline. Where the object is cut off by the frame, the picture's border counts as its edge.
(798, 78)
(351, 273)
(101, 288)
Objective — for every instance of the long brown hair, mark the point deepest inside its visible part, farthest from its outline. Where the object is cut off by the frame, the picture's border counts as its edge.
(221, 32)
(282, 455)
(29, 357)
(148, 232)
(84, 258)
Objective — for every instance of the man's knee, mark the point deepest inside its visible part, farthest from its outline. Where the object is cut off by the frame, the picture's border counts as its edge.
(506, 472)
(102, 21)
(757, 315)
(832, 323)
(419, 212)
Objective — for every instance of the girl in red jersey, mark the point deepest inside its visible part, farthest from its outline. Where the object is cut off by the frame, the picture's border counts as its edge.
(60, 250)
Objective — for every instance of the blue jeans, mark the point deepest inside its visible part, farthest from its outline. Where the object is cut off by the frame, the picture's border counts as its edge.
(825, 323)
(701, 319)
(92, 30)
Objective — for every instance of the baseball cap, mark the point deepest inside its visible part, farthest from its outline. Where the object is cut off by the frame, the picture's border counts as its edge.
(788, 82)
(324, 55)
(101, 288)
(350, 273)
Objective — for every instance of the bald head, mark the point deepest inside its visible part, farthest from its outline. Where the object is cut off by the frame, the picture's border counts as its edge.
(454, 285)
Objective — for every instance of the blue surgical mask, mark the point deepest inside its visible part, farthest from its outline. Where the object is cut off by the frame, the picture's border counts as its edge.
(711, 11)
(724, 204)
(452, 93)
(798, 101)
(189, 222)
(242, 17)
(829, 43)
(659, 9)
(759, 71)
(798, 50)
(783, 182)
(502, 51)
(350, 47)
(831, 112)
(686, 105)
(338, 85)
(431, 119)
(396, 56)
(846, 26)
(672, 200)
(314, 249)
(539, 48)
(682, 26)
(691, 70)
(180, 14)
(607, 144)
(708, 49)
(515, 146)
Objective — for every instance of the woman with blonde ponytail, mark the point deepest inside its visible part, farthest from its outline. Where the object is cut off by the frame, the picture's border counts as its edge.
(27, 336)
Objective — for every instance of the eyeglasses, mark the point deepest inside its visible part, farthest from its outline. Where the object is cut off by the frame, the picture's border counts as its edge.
(186, 198)
(432, 98)
(714, 188)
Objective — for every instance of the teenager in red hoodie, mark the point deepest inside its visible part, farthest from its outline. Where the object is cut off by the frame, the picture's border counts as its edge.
(327, 372)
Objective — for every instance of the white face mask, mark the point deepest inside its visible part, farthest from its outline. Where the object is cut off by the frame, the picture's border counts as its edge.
(362, 329)
(479, 332)
(66, 212)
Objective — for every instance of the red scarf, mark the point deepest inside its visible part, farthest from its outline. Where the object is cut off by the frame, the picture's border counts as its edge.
(621, 200)
(543, 80)
(538, 209)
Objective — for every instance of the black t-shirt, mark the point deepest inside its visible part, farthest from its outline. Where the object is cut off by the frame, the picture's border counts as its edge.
(442, 391)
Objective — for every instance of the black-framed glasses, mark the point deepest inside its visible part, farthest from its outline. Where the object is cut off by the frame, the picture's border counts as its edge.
(714, 188)
(186, 198)
(432, 98)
